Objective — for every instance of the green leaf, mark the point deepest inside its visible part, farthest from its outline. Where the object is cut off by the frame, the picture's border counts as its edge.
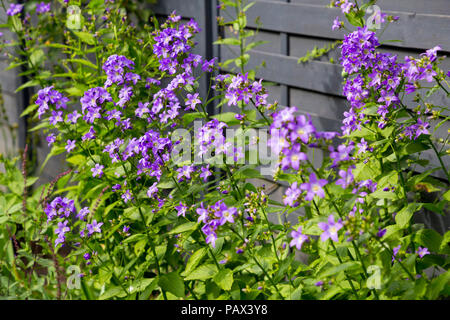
(143, 284)
(85, 37)
(84, 62)
(134, 237)
(414, 147)
(37, 57)
(54, 152)
(224, 279)
(404, 216)
(346, 266)
(13, 65)
(132, 213)
(111, 292)
(446, 195)
(29, 109)
(242, 60)
(148, 290)
(188, 226)
(166, 184)
(255, 44)
(353, 19)
(227, 117)
(27, 84)
(228, 42)
(444, 243)
(429, 239)
(191, 116)
(43, 124)
(204, 272)
(380, 194)
(16, 23)
(77, 159)
(75, 91)
(247, 173)
(172, 283)
(139, 247)
(390, 231)
(438, 284)
(194, 260)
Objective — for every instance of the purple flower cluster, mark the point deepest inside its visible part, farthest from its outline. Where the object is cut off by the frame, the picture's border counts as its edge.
(420, 69)
(241, 89)
(42, 8)
(292, 194)
(345, 5)
(313, 188)
(172, 43)
(341, 154)
(415, 130)
(330, 229)
(48, 96)
(172, 48)
(91, 103)
(346, 178)
(59, 207)
(14, 9)
(213, 217)
(298, 238)
(210, 136)
(372, 71)
(116, 67)
(288, 133)
(152, 150)
(62, 209)
(337, 24)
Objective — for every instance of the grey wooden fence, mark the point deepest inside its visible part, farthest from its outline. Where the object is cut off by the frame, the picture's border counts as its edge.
(292, 27)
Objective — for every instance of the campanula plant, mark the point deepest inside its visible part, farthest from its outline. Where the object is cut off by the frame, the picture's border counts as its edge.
(160, 201)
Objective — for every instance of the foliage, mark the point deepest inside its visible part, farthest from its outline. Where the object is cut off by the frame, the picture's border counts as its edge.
(135, 218)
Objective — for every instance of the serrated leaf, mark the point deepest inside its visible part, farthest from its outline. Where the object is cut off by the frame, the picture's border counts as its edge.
(429, 239)
(172, 283)
(203, 272)
(224, 279)
(194, 260)
(37, 57)
(188, 226)
(346, 266)
(111, 292)
(85, 37)
(404, 216)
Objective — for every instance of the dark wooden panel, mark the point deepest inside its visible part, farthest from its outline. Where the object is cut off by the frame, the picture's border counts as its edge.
(273, 41)
(322, 77)
(318, 76)
(186, 8)
(439, 7)
(414, 30)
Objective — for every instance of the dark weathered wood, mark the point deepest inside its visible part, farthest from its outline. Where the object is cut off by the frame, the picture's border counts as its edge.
(413, 30)
(439, 7)
(186, 8)
(316, 75)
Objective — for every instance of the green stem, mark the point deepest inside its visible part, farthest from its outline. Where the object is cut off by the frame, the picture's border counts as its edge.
(259, 265)
(346, 275)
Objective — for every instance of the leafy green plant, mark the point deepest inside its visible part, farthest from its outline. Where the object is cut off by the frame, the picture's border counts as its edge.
(158, 201)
